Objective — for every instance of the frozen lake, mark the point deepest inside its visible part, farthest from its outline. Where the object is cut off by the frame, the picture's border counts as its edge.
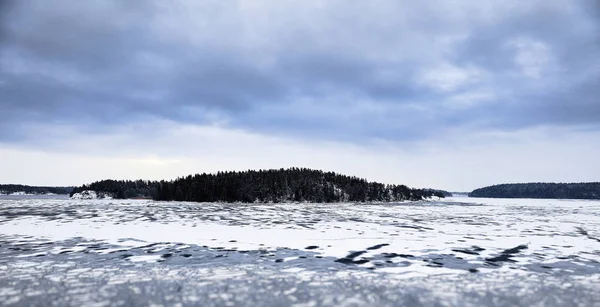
(455, 252)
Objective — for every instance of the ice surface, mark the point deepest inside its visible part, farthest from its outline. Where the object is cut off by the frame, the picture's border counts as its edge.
(454, 252)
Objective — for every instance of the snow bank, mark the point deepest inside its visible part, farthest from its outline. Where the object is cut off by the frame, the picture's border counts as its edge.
(89, 194)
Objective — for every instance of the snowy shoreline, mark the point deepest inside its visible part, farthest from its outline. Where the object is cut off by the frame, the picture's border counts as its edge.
(22, 193)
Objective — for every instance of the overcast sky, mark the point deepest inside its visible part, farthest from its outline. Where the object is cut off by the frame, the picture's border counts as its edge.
(445, 94)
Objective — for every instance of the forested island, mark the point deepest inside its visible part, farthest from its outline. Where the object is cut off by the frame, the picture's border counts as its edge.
(590, 190)
(282, 185)
(25, 189)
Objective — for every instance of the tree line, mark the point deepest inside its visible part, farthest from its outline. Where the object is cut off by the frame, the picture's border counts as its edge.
(14, 188)
(589, 190)
(282, 185)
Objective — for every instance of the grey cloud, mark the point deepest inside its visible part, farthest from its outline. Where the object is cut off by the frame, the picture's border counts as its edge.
(91, 34)
(99, 64)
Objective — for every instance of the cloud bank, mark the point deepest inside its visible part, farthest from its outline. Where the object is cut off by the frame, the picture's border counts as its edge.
(369, 75)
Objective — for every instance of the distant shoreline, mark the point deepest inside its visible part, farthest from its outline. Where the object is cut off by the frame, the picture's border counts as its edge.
(540, 190)
(34, 196)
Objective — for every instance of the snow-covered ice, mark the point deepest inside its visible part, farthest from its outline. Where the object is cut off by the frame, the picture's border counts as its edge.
(453, 252)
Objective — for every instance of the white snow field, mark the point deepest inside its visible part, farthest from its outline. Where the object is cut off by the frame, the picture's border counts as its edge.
(453, 252)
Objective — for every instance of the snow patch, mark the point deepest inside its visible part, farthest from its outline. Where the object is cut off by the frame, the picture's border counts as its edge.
(89, 194)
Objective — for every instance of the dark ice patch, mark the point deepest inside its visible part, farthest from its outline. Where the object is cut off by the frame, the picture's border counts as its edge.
(515, 250)
(505, 256)
(353, 255)
(378, 246)
(474, 250)
(349, 259)
(394, 255)
(585, 233)
(465, 251)
(501, 258)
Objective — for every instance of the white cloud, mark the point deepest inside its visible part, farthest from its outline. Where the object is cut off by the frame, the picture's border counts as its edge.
(534, 58)
(470, 99)
(447, 77)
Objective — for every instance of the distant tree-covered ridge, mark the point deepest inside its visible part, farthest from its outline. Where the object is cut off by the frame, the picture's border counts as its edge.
(590, 190)
(19, 188)
(282, 185)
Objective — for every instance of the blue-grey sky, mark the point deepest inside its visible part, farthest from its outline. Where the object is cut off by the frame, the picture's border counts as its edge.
(447, 94)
